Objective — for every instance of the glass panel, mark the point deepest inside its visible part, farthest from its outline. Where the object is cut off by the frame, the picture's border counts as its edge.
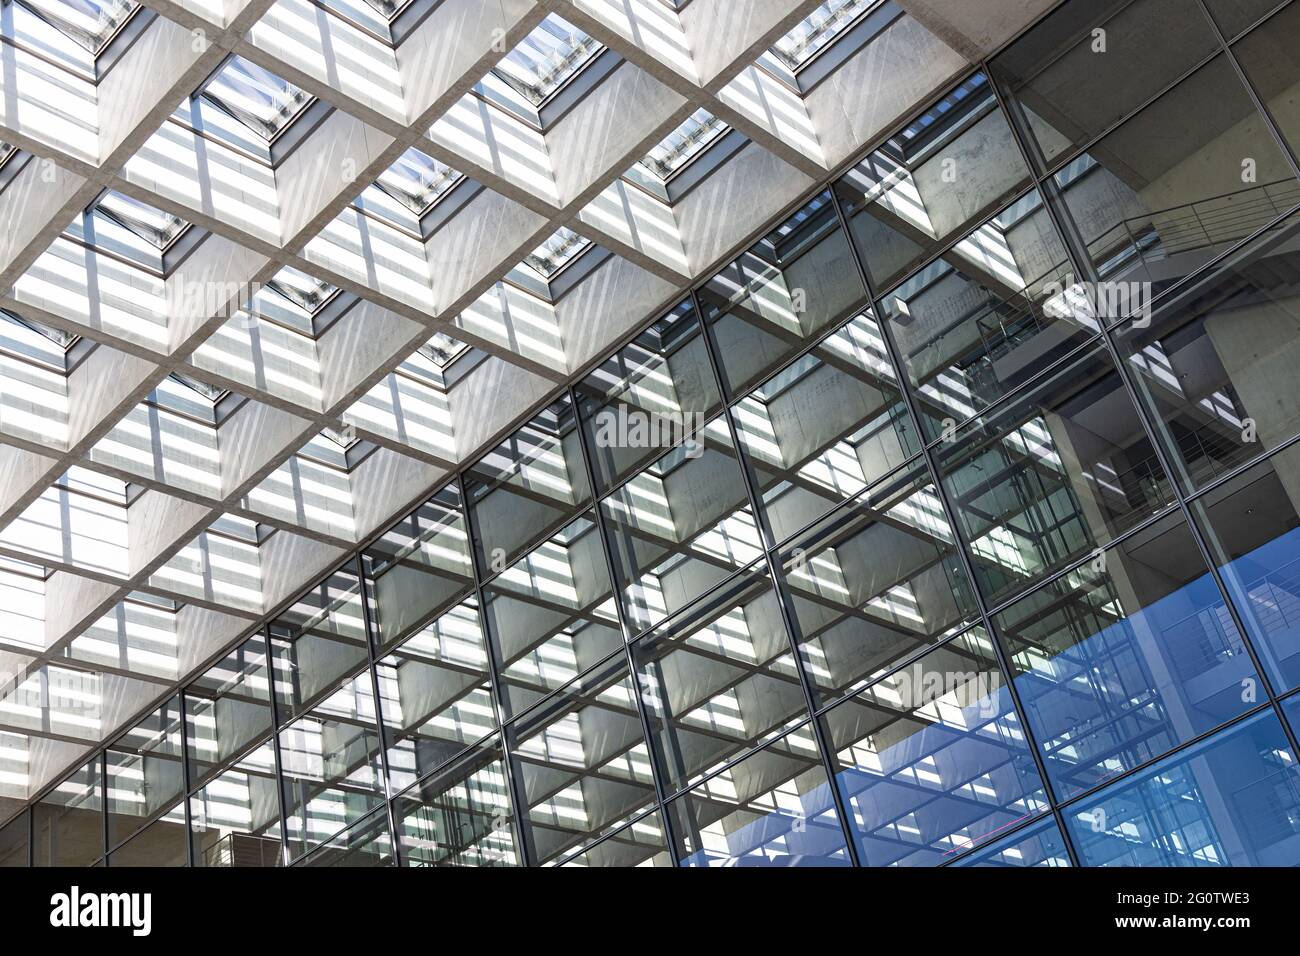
(417, 180)
(551, 616)
(366, 844)
(1038, 845)
(1062, 469)
(317, 641)
(435, 695)
(89, 23)
(14, 843)
(683, 144)
(145, 772)
(654, 393)
(1126, 657)
(1159, 197)
(719, 679)
(156, 227)
(774, 808)
(459, 817)
(1219, 370)
(1252, 527)
(818, 30)
(331, 765)
(258, 98)
(1233, 16)
(1268, 58)
(680, 527)
(825, 427)
(236, 817)
(68, 823)
(640, 844)
(1231, 800)
(162, 843)
(552, 53)
(227, 708)
(986, 316)
(932, 759)
(874, 582)
(1074, 82)
(951, 168)
(527, 487)
(420, 567)
(796, 283)
(562, 247)
(582, 763)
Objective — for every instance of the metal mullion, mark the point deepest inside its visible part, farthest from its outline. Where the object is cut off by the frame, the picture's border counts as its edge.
(185, 778)
(784, 605)
(963, 553)
(372, 640)
(606, 551)
(275, 748)
(514, 786)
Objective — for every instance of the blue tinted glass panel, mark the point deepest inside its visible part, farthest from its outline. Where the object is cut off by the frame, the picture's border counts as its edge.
(1125, 657)
(1231, 800)
(1038, 845)
(932, 760)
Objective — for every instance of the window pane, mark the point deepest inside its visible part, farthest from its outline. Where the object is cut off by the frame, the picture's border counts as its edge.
(680, 527)
(14, 843)
(719, 679)
(1233, 16)
(551, 616)
(638, 844)
(1125, 657)
(1219, 370)
(874, 582)
(235, 819)
(68, 823)
(332, 770)
(1064, 468)
(1232, 800)
(435, 695)
(951, 168)
(527, 487)
(795, 283)
(1252, 527)
(826, 426)
(228, 708)
(366, 844)
(1268, 57)
(144, 771)
(1037, 845)
(420, 567)
(162, 843)
(459, 817)
(317, 641)
(1073, 82)
(932, 759)
(774, 808)
(986, 316)
(582, 762)
(1159, 197)
(650, 394)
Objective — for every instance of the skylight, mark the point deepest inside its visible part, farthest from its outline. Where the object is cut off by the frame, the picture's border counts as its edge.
(817, 30)
(306, 292)
(213, 393)
(683, 144)
(6, 150)
(442, 349)
(555, 253)
(256, 97)
(89, 24)
(546, 58)
(154, 226)
(417, 180)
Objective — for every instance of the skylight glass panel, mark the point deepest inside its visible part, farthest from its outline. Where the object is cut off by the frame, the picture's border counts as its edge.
(256, 97)
(213, 393)
(63, 339)
(816, 31)
(556, 252)
(684, 143)
(416, 180)
(306, 292)
(89, 24)
(442, 349)
(6, 151)
(555, 51)
(154, 226)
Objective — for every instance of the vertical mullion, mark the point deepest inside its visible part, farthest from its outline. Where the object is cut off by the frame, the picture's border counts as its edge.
(372, 641)
(275, 747)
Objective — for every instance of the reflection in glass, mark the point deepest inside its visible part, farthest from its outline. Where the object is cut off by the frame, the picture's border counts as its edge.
(1062, 469)
(162, 843)
(318, 640)
(774, 808)
(1040, 844)
(1125, 657)
(14, 842)
(235, 818)
(366, 844)
(719, 679)
(68, 822)
(1231, 800)
(227, 708)
(874, 582)
(461, 816)
(932, 759)
(825, 426)
(640, 843)
(145, 773)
